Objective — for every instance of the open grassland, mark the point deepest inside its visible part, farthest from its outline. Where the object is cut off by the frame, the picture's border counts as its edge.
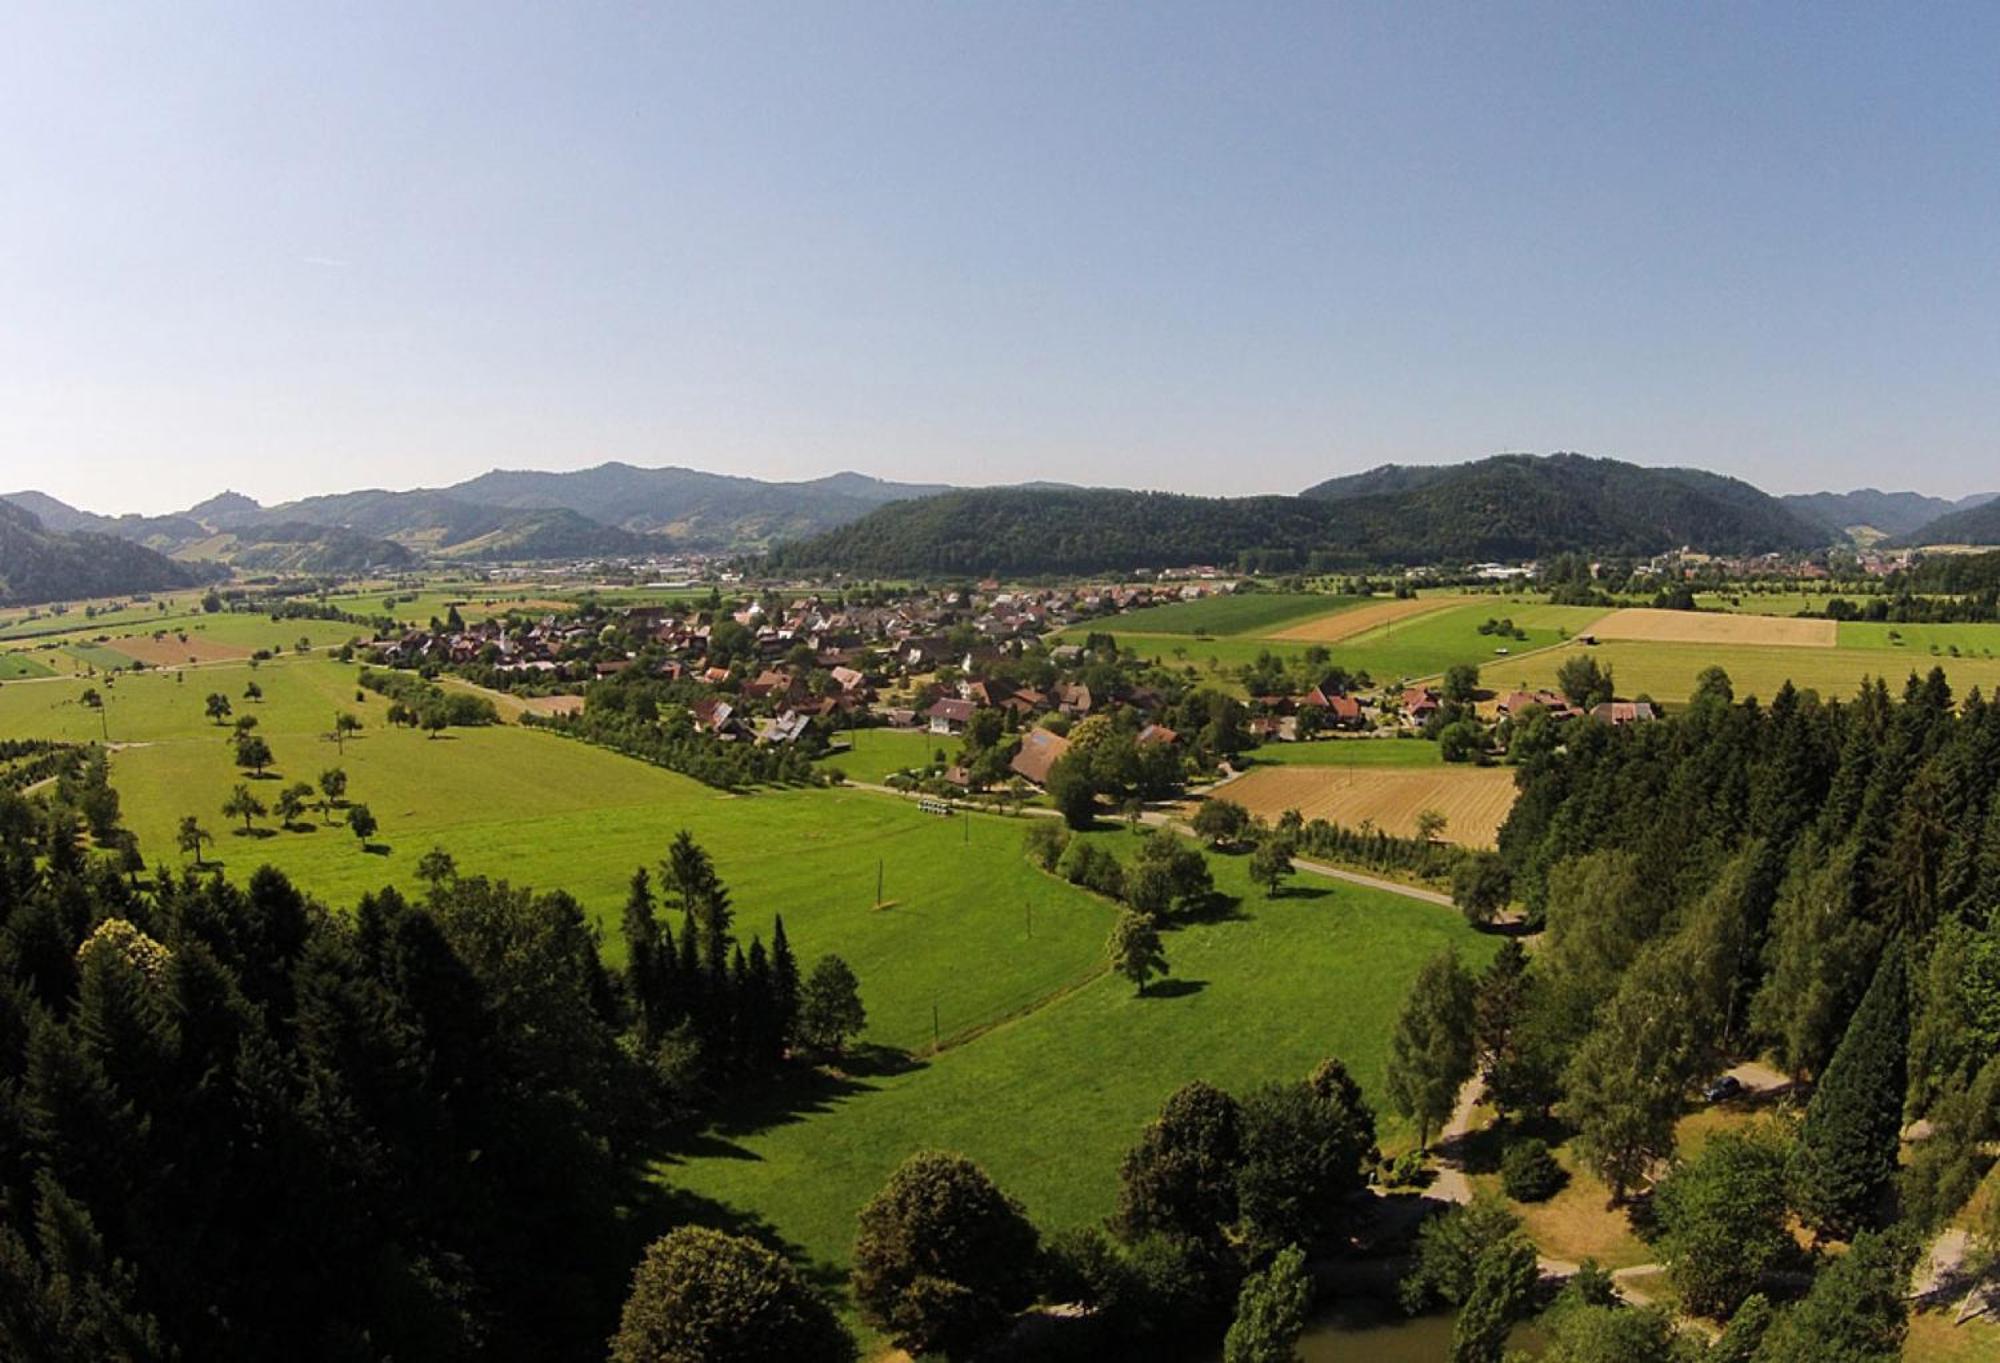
(1346, 624)
(1667, 672)
(1706, 627)
(1251, 613)
(546, 811)
(1348, 752)
(1430, 644)
(1049, 1102)
(171, 648)
(1475, 800)
(1977, 641)
(876, 753)
(16, 665)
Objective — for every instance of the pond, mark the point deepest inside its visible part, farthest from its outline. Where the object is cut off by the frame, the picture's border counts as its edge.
(1376, 1331)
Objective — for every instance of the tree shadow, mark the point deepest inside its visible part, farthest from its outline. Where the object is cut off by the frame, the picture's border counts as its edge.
(1174, 989)
(376, 849)
(805, 1091)
(253, 833)
(1214, 907)
(1301, 892)
(263, 776)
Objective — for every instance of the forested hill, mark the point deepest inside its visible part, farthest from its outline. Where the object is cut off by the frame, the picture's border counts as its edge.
(1977, 525)
(1507, 507)
(1022, 530)
(1892, 513)
(1534, 503)
(38, 565)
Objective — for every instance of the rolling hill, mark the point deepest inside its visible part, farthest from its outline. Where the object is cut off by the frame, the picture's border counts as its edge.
(1890, 513)
(38, 564)
(1506, 507)
(1974, 525)
(689, 507)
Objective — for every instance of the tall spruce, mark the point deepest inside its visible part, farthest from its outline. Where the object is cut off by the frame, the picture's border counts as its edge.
(784, 984)
(641, 927)
(1845, 1161)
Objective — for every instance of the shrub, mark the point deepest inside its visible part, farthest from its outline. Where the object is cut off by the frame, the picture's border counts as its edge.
(1044, 842)
(1529, 1173)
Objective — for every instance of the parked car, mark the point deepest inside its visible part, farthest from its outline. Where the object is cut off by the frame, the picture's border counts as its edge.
(1723, 1089)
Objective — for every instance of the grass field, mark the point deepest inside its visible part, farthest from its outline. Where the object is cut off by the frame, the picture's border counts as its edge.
(1049, 1102)
(1667, 671)
(15, 665)
(1252, 613)
(1427, 645)
(1348, 752)
(1474, 799)
(1331, 628)
(553, 813)
(1981, 641)
(876, 753)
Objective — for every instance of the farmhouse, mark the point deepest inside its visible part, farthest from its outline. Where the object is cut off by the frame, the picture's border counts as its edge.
(1619, 713)
(1514, 702)
(1040, 750)
(950, 716)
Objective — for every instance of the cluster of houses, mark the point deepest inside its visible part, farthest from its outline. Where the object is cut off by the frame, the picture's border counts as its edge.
(771, 666)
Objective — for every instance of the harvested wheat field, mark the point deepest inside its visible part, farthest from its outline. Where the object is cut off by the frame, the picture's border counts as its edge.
(1707, 627)
(1346, 624)
(1475, 800)
(170, 650)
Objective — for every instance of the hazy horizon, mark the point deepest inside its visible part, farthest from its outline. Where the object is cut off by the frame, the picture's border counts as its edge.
(1216, 251)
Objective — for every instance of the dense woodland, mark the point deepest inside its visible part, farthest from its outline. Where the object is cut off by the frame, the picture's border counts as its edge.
(37, 564)
(235, 1124)
(1509, 507)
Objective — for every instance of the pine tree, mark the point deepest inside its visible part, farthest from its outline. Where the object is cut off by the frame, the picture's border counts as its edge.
(1846, 1156)
(784, 985)
(641, 927)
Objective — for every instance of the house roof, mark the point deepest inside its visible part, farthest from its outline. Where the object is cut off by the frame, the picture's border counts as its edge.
(952, 710)
(1040, 750)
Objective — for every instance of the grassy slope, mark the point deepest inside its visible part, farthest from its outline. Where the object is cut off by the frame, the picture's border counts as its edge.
(1048, 1103)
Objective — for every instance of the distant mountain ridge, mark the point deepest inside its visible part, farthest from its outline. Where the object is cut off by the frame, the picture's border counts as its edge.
(1976, 524)
(1891, 513)
(1507, 506)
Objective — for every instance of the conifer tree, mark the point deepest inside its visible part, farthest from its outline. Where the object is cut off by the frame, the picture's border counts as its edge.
(1845, 1161)
(641, 927)
(784, 984)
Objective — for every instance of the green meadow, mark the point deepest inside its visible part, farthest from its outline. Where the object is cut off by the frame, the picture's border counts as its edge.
(1350, 752)
(876, 753)
(1049, 1102)
(1427, 645)
(15, 665)
(1246, 613)
(549, 812)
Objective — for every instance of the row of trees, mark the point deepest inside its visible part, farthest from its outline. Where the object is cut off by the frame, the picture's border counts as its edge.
(707, 1013)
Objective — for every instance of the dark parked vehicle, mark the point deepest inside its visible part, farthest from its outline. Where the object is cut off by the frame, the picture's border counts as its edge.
(1723, 1089)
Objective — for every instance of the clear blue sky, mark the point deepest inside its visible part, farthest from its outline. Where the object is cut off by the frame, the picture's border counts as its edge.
(1219, 248)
